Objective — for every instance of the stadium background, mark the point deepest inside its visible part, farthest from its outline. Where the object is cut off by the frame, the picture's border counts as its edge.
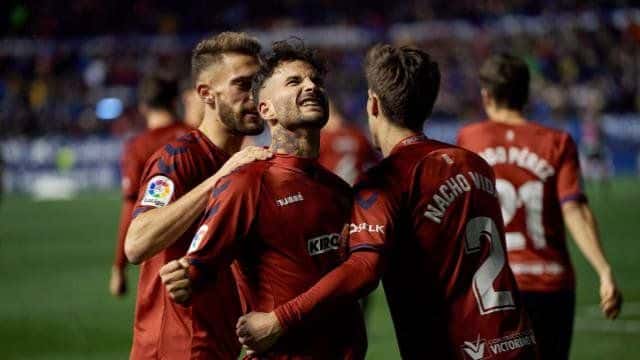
(68, 77)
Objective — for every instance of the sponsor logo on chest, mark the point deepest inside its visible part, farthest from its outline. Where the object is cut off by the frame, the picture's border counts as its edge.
(290, 199)
(322, 244)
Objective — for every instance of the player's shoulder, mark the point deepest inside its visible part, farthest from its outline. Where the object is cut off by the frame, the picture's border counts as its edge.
(475, 127)
(188, 145)
(557, 139)
(251, 174)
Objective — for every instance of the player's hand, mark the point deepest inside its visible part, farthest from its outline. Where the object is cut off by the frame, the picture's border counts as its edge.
(175, 277)
(118, 281)
(258, 331)
(610, 296)
(242, 157)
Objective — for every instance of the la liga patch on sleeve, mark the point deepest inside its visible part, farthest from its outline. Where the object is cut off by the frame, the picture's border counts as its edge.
(158, 192)
(195, 243)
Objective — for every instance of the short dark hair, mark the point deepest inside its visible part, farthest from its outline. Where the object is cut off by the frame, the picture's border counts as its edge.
(210, 50)
(282, 51)
(158, 92)
(406, 81)
(506, 78)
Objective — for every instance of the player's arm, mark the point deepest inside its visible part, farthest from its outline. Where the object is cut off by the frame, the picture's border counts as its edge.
(131, 171)
(356, 277)
(226, 222)
(583, 227)
(156, 229)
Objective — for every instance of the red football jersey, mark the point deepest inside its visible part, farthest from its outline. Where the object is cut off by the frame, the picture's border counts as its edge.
(346, 152)
(536, 171)
(162, 329)
(135, 154)
(281, 220)
(432, 211)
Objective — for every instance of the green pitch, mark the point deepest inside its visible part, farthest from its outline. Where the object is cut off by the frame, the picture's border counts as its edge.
(55, 259)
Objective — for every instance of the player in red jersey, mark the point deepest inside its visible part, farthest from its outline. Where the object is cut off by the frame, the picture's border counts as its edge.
(538, 180)
(157, 99)
(344, 149)
(426, 219)
(254, 216)
(176, 183)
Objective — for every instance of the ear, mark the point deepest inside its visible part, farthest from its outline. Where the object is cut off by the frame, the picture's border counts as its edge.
(487, 99)
(266, 110)
(373, 104)
(205, 94)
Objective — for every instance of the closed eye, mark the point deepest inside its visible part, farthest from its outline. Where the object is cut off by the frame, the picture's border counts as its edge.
(294, 80)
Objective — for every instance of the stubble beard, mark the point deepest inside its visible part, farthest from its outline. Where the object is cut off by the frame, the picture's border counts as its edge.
(233, 121)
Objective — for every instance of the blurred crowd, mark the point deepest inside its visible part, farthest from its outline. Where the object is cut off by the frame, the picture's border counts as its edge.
(56, 63)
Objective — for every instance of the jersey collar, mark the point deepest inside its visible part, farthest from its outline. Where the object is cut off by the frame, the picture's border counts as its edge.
(296, 162)
(410, 140)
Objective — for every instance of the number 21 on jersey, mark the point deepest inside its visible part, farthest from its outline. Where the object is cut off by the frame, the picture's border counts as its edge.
(529, 196)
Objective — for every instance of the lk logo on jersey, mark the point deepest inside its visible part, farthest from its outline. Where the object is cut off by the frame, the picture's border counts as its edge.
(158, 192)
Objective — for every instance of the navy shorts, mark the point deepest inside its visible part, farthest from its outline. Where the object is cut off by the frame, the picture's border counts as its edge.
(551, 315)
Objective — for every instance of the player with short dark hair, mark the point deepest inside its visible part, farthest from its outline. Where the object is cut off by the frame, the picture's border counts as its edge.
(254, 216)
(157, 101)
(540, 188)
(426, 219)
(175, 186)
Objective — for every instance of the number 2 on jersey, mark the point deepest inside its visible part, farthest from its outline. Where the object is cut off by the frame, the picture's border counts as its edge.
(481, 229)
(528, 195)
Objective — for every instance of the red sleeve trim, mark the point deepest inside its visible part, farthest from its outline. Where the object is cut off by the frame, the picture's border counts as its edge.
(579, 197)
(366, 247)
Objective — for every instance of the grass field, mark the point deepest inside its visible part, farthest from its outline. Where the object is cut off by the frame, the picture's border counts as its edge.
(55, 259)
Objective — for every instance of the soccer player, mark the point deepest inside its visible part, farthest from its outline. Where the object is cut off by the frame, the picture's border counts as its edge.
(344, 149)
(279, 219)
(157, 99)
(540, 189)
(175, 187)
(426, 219)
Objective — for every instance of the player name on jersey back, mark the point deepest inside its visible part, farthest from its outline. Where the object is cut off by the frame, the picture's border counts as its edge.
(521, 157)
(452, 188)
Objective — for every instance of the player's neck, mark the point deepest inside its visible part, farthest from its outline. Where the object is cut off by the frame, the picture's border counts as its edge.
(303, 142)
(334, 123)
(507, 116)
(391, 135)
(159, 118)
(220, 135)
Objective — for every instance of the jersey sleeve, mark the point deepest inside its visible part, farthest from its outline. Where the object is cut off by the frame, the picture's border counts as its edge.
(131, 170)
(166, 177)
(460, 138)
(226, 222)
(569, 179)
(372, 225)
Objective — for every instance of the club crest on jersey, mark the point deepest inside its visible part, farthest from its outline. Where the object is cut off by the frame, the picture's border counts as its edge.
(195, 243)
(158, 192)
(288, 200)
(322, 244)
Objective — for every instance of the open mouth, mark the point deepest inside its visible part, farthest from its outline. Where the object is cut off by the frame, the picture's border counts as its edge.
(312, 102)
